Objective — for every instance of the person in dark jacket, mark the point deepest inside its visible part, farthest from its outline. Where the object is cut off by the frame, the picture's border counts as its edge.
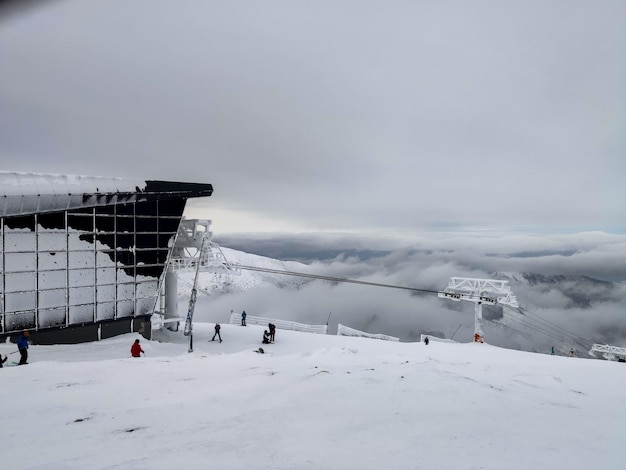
(22, 346)
(266, 337)
(217, 332)
(243, 318)
(426, 340)
(135, 349)
(272, 328)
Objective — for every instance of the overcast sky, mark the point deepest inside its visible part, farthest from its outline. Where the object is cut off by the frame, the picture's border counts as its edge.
(332, 115)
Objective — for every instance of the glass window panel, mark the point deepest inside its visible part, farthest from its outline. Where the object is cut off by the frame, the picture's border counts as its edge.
(49, 241)
(81, 259)
(105, 311)
(19, 301)
(146, 208)
(78, 241)
(80, 223)
(105, 241)
(147, 289)
(145, 273)
(147, 257)
(52, 279)
(15, 282)
(169, 225)
(125, 291)
(19, 242)
(126, 209)
(125, 240)
(105, 224)
(105, 210)
(20, 321)
(105, 293)
(146, 224)
(52, 260)
(81, 295)
(147, 240)
(126, 258)
(125, 309)
(52, 298)
(125, 224)
(105, 259)
(81, 277)
(145, 306)
(105, 276)
(124, 276)
(52, 221)
(51, 318)
(25, 223)
(20, 262)
(80, 314)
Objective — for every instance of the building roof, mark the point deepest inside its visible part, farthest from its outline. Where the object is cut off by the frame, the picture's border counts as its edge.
(27, 193)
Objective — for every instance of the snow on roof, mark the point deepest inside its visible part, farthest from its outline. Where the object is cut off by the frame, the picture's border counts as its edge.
(25, 184)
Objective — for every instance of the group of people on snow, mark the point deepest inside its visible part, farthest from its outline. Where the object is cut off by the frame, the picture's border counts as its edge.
(269, 335)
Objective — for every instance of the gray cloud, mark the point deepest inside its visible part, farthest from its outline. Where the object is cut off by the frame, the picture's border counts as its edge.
(332, 115)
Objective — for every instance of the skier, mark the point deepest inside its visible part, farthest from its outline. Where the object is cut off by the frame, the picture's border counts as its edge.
(217, 332)
(552, 352)
(272, 328)
(243, 318)
(22, 346)
(266, 337)
(426, 340)
(135, 349)
(572, 353)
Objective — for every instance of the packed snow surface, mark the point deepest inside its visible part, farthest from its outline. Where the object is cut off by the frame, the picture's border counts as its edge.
(310, 402)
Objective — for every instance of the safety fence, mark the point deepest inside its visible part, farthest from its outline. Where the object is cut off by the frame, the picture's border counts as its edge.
(235, 319)
(343, 330)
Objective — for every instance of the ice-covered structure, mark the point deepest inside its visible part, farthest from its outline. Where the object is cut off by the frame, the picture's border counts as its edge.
(82, 258)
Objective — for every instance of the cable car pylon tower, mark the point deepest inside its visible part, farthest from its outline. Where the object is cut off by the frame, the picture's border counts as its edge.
(479, 291)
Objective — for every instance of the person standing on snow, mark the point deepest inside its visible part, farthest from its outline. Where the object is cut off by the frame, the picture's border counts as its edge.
(217, 332)
(243, 318)
(135, 349)
(22, 346)
(272, 328)
(426, 340)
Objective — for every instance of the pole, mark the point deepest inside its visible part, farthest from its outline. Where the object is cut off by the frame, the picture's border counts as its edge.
(328, 318)
(192, 299)
(457, 329)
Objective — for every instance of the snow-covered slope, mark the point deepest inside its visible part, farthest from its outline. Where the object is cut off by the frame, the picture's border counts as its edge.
(224, 283)
(311, 401)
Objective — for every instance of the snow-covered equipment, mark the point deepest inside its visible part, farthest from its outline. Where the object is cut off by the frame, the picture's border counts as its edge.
(479, 291)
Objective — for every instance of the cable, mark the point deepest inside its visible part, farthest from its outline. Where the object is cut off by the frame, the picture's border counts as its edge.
(541, 325)
(336, 279)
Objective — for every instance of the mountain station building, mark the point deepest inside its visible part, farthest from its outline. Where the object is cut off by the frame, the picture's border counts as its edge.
(83, 258)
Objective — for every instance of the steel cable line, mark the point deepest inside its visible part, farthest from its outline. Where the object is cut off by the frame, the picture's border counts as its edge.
(558, 333)
(559, 336)
(551, 325)
(336, 279)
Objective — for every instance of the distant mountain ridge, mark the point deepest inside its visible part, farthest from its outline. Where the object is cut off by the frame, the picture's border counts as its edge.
(583, 291)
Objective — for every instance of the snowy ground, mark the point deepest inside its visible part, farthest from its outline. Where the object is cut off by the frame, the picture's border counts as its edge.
(311, 402)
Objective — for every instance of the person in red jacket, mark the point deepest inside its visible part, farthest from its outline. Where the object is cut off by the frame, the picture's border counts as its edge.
(135, 349)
